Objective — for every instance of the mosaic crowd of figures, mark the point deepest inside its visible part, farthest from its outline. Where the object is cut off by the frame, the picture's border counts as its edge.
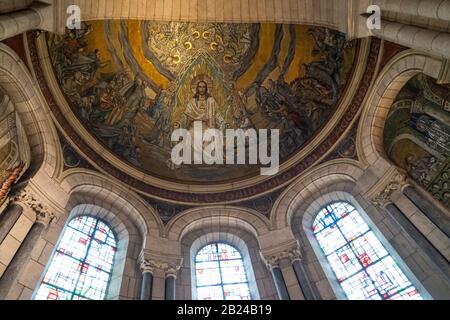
(417, 134)
(133, 89)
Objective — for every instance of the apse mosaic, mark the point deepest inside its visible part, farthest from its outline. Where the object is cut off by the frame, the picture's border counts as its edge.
(362, 265)
(132, 83)
(417, 135)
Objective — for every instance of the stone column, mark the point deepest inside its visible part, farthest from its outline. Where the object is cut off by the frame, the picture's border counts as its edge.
(426, 246)
(147, 280)
(273, 263)
(170, 289)
(280, 284)
(433, 42)
(23, 254)
(382, 199)
(301, 275)
(158, 266)
(8, 219)
(170, 286)
(429, 209)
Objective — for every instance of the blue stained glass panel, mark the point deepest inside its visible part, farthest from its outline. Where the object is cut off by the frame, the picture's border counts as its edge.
(208, 273)
(210, 293)
(362, 265)
(220, 273)
(82, 264)
(236, 292)
(331, 239)
(345, 262)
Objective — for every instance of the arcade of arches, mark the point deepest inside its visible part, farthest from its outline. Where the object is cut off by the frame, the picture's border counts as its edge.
(92, 206)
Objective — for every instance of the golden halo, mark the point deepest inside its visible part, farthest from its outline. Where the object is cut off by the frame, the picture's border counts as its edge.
(213, 45)
(201, 77)
(176, 58)
(206, 34)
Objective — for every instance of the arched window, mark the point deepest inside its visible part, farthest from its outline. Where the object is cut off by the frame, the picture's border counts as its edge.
(220, 273)
(81, 266)
(362, 265)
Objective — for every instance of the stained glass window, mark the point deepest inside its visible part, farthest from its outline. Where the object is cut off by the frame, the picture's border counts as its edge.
(82, 264)
(220, 273)
(362, 265)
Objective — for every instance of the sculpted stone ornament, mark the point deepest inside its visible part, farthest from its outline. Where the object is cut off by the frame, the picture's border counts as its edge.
(273, 260)
(295, 254)
(45, 218)
(44, 214)
(148, 266)
(170, 269)
(382, 198)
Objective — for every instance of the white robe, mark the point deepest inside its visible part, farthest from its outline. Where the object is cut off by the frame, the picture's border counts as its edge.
(203, 110)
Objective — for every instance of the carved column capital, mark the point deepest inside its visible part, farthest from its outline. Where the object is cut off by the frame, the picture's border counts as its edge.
(381, 194)
(150, 261)
(148, 266)
(44, 214)
(273, 256)
(171, 270)
(45, 218)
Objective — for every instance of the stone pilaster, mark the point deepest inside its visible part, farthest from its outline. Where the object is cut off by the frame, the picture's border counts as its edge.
(44, 217)
(8, 220)
(394, 180)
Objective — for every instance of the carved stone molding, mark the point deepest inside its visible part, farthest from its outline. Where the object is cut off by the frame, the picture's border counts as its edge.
(273, 256)
(26, 199)
(172, 270)
(170, 265)
(148, 266)
(381, 194)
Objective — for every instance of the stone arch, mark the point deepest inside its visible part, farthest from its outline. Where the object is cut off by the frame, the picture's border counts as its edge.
(83, 184)
(246, 219)
(305, 198)
(92, 194)
(126, 254)
(394, 75)
(17, 83)
(324, 279)
(337, 172)
(245, 243)
(230, 229)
